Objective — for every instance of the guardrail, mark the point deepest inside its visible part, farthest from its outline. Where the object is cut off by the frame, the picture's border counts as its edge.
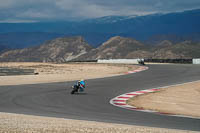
(82, 61)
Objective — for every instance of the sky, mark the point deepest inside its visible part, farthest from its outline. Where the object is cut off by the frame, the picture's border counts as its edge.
(63, 10)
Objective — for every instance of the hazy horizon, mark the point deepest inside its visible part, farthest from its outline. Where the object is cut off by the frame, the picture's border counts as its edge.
(27, 11)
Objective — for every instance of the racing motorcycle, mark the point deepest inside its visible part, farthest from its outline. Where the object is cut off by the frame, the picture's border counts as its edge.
(141, 62)
(79, 87)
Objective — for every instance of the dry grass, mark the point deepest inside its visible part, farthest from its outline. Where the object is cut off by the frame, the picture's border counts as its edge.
(14, 123)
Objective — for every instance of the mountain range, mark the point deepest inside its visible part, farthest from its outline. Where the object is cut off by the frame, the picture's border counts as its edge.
(77, 49)
(150, 29)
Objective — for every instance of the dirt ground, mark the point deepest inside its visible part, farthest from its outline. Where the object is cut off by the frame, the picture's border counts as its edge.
(49, 72)
(15, 123)
(180, 100)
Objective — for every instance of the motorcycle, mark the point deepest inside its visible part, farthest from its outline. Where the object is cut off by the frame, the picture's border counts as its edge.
(78, 87)
(141, 62)
(75, 88)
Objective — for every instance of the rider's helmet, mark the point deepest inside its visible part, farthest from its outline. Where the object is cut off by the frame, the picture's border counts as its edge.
(82, 83)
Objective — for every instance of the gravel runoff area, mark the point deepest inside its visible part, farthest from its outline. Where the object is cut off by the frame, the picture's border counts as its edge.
(16, 123)
(181, 99)
(49, 72)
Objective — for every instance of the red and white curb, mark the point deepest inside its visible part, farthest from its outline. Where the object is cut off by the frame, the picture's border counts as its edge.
(141, 68)
(121, 101)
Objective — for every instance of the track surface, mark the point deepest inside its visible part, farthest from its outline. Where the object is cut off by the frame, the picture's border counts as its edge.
(55, 100)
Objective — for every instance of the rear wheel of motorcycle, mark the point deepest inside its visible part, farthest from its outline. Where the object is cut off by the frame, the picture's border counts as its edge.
(73, 92)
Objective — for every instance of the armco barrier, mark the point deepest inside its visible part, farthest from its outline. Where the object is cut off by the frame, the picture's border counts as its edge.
(82, 61)
(120, 61)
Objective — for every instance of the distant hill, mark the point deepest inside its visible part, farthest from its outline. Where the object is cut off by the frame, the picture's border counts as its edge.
(156, 39)
(57, 50)
(150, 29)
(76, 48)
(128, 48)
(185, 49)
(116, 47)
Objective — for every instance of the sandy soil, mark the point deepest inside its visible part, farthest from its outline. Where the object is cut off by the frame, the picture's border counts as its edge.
(181, 100)
(49, 72)
(14, 123)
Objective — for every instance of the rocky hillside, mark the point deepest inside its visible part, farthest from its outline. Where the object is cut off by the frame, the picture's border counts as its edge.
(58, 50)
(75, 48)
(120, 47)
(185, 49)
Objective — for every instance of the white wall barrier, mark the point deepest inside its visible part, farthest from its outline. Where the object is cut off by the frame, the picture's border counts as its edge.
(120, 61)
(196, 61)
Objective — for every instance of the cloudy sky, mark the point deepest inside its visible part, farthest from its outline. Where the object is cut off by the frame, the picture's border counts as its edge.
(55, 10)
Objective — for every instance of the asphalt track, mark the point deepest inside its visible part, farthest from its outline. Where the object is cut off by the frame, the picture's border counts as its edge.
(55, 100)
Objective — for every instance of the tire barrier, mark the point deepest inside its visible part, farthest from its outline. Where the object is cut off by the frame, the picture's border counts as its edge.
(181, 61)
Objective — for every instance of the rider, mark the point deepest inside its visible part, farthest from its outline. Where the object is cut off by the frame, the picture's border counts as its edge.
(81, 85)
